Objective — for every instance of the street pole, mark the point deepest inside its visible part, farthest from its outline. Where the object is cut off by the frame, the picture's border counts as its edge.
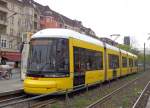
(144, 58)
(117, 36)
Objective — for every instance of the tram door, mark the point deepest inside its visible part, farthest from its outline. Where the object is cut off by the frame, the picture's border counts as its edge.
(79, 74)
(130, 65)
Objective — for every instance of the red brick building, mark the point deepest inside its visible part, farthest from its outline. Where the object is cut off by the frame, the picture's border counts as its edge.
(53, 19)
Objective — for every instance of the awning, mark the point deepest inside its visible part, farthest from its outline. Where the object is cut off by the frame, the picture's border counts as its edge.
(12, 56)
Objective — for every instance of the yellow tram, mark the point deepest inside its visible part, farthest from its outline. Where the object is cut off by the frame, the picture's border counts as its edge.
(61, 59)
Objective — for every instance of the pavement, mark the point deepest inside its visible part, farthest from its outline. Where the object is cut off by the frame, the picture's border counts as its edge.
(12, 84)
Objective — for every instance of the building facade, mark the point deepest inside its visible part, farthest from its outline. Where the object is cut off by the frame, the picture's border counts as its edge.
(127, 40)
(51, 19)
(19, 17)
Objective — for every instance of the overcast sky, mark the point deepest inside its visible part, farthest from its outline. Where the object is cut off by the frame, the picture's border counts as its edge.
(106, 17)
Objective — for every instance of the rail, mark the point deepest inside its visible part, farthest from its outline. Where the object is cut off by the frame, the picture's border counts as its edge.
(28, 101)
(101, 100)
(138, 103)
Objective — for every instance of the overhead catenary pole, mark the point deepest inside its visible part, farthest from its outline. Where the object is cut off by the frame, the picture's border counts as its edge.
(144, 58)
(117, 36)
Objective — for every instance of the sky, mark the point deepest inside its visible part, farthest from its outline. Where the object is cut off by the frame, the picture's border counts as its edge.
(107, 17)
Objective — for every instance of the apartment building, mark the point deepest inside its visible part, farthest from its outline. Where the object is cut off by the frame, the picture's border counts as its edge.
(52, 19)
(17, 17)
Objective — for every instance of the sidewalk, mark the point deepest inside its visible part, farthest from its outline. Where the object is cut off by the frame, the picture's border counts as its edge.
(13, 84)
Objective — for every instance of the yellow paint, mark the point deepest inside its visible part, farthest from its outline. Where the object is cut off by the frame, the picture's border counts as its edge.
(46, 85)
(94, 76)
(124, 70)
(50, 85)
(110, 71)
(135, 68)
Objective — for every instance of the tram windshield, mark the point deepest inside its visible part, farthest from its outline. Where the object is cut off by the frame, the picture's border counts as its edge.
(48, 57)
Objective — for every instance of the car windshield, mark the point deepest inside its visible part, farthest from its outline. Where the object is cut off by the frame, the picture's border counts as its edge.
(48, 57)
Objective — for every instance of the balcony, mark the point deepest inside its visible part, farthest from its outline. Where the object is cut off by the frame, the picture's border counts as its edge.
(4, 9)
(3, 17)
(3, 4)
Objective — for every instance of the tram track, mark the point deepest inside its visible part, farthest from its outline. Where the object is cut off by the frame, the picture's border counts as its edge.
(141, 102)
(48, 100)
(113, 99)
(27, 101)
(91, 92)
(10, 96)
(11, 99)
(106, 97)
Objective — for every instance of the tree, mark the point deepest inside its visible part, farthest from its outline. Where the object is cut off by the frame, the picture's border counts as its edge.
(128, 48)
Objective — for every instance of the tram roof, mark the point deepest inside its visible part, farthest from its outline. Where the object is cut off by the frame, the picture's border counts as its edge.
(66, 33)
(133, 55)
(123, 51)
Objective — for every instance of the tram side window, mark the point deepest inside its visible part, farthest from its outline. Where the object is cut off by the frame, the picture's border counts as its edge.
(130, 62)
(97, 62)
(85, 59)
(62, 54)
(94, 60)
(82, 59)
(76, 59)
(124, 61)
(113, 61)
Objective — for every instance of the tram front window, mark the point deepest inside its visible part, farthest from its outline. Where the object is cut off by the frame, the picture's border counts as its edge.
(48, 58)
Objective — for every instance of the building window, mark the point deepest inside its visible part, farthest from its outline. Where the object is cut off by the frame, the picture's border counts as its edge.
(12, 20)
(10, 44)
(87, 60)
(35, 16)
(3, 16)
(12, 6)
(3, 4)
(3, 29)
(35, 25)
(3, 43)
(113, 61)
(61, 25)
(124, 62)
